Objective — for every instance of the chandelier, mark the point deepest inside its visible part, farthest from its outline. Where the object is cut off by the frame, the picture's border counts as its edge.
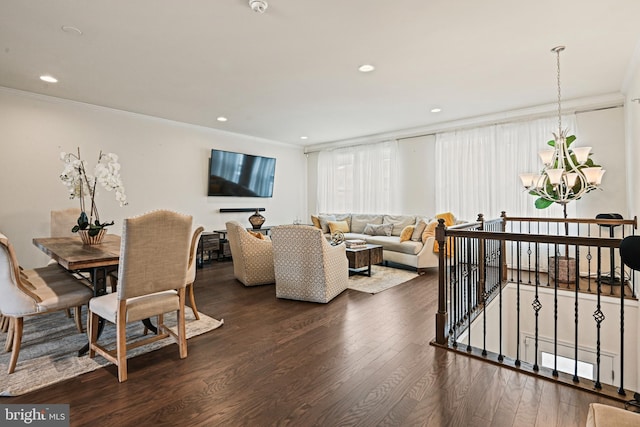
(568, 172)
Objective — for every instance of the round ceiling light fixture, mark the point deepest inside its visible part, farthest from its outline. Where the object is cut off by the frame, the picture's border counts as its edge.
(436, 110)
(49, 79)
(258, 5)
(366, 68)
(221, 119)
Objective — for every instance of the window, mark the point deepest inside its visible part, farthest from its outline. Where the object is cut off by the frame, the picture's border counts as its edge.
(359, 179)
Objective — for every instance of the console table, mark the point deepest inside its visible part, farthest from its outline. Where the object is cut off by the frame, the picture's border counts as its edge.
(209, 243)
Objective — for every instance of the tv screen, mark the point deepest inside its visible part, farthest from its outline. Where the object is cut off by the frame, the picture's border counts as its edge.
(240, 175)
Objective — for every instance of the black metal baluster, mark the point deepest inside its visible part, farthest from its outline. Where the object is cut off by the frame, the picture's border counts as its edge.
(598, 315)
(469, 291)
(536, 308)
(500, 278)
(621, 389)
(575, 373)
(555, 313)
(517, 362)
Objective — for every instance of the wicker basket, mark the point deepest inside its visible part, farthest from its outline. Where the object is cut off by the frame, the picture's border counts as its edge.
(566, 269)
(92, 240)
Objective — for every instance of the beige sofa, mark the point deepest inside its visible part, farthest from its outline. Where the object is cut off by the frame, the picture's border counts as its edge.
(415, 252)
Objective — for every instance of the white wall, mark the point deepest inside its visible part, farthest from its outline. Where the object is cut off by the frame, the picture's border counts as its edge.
(604, 130)
(164, 166)
(587, 338)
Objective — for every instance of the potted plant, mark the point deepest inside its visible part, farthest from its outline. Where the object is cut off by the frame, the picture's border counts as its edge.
(80, 185)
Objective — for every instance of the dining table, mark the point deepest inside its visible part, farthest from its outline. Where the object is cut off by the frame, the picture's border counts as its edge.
(99, 260)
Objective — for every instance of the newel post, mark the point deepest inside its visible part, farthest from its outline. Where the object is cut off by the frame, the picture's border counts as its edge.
(441, 315)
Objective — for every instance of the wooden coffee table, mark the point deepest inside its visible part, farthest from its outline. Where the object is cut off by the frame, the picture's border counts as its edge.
(362, 258)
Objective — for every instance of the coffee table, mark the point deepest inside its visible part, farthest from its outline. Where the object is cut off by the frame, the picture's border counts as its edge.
(362, 258)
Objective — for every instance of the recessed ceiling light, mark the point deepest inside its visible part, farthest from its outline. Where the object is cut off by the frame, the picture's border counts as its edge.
(71, 30)
(221, 119)
(366, 68)
(49, 79)
(304, 137)
(436, 110)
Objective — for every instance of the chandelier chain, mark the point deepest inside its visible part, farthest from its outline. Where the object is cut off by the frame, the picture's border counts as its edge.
(559, 97)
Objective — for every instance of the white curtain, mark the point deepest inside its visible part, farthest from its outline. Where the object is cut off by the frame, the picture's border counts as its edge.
(360, 179)
(477, 170)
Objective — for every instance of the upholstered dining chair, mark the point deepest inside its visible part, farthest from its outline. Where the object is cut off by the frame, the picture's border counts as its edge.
(62, 221)
(252, 257)
(152, 275)
(32, 292)
(307, 266)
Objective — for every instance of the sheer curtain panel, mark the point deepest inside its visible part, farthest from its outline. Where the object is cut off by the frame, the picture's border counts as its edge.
(477, 170)
(360, 179)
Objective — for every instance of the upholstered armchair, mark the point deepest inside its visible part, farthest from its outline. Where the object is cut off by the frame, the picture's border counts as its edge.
(252, 257)
(307, 267)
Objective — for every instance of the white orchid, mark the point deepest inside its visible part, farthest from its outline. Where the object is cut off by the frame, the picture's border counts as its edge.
(80, 185)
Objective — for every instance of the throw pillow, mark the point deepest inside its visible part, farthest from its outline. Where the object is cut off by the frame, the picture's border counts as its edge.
(256, 234)
(338, 226)
(324, 222)
(378, 229)
(449, 218)
(315, 221)
(406, 233)
(421, 223)
(429, 231)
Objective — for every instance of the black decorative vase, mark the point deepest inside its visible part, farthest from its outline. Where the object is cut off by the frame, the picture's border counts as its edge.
(256, 220)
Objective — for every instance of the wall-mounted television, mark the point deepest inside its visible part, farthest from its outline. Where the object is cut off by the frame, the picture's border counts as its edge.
(240, 175)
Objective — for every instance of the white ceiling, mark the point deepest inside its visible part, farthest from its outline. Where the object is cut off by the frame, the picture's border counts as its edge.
(292, 71)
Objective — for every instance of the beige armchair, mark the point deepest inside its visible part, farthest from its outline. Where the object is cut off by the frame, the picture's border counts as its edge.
(252, 257)
(307, 267)
(152, 275)
(31, 292)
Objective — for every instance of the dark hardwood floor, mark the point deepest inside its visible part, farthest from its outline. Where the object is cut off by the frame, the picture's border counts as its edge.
(360, 360)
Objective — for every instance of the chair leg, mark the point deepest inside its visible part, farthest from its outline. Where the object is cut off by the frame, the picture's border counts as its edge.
(92, 331)
(68, 312)
(4, 323)
(9, 343)
(77, 314)
(182, 331)
(121, 345)
(192, 301)
(17, 340)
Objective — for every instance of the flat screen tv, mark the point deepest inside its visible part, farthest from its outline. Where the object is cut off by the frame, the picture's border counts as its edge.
(240, 175)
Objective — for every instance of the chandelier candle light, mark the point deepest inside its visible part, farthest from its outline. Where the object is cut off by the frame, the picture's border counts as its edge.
(569, 172)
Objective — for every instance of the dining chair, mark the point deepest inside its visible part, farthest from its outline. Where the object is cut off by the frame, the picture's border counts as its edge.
(152, 276)
(33, 292)
(191, 275)
(252, 257)
(307, 266)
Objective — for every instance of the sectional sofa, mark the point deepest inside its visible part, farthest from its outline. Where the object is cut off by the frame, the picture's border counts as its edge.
(402, 237)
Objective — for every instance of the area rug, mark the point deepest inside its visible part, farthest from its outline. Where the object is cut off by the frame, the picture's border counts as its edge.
(382, 278)
(50, 344)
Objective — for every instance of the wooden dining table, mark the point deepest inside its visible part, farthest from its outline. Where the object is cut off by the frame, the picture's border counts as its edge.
(99, 260)
(73, 255)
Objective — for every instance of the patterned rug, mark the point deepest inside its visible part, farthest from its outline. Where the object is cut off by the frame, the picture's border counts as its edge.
(382, 278)
(50, 345)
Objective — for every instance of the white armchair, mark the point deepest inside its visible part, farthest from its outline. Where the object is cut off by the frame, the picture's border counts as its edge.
(307, 267)
(252, 257)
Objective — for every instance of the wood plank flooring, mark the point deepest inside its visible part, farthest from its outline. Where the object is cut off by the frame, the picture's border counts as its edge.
(360, 360)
